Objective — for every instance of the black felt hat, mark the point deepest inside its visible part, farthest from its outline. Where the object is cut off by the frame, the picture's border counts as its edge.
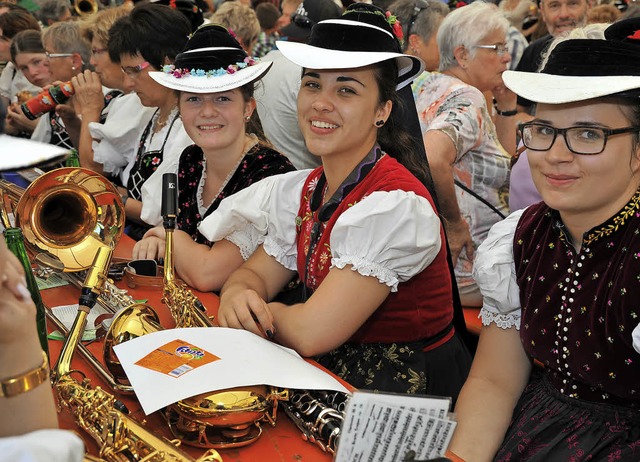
(581, 69)
(362, 36)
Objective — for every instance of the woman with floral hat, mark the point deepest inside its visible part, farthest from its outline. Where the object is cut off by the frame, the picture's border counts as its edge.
(215, 80)
(560, 279)
(361, 231)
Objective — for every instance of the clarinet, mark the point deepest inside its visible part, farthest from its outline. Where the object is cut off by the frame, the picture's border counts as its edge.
(318, 414)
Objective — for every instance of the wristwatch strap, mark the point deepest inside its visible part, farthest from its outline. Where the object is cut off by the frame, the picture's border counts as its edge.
(27, 381)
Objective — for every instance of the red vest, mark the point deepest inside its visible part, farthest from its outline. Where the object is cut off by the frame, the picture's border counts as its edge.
(422, 306)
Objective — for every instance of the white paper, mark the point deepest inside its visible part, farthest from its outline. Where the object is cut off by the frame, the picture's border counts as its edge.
(66, 314)
(19, 153)
(386, 427)
(245, 360)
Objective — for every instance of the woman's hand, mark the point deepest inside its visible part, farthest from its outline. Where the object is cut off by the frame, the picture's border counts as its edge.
(88, 96)
(151, 246)
(459, 237)
(246, 310)
(506, 100)
(18, 122)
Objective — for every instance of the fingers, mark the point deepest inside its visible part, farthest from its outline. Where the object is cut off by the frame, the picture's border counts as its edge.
(249, 312)
(13, 278)
(148, 248)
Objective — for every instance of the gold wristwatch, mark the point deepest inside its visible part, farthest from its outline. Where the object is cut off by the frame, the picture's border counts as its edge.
(27, 381)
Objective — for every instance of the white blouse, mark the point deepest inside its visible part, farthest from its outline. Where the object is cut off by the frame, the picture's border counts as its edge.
(152, 188)
(495, 273)
(391, 236)
(50, 445)
(115, 142)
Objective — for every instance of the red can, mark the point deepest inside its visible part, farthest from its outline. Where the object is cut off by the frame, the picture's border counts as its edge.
(46, 100)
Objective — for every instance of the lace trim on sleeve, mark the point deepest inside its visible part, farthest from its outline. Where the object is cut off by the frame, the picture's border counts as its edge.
(247, 240)
(502, 320)
(368, 268)
(278, 251)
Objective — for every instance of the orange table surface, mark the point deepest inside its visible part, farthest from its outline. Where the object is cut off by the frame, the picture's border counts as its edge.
(280, 443)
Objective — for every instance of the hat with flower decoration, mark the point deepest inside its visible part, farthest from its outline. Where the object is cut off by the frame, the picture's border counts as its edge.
(581, 69)
(212, 62)
(363, 35)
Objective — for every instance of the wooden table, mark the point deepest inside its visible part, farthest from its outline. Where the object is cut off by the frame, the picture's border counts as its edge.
(280, 443)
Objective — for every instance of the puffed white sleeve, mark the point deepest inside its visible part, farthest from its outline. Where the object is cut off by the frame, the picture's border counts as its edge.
(636, 338)
(494, 272)
(263, 213)
(115, 142)
(390, 235)
(42, 446)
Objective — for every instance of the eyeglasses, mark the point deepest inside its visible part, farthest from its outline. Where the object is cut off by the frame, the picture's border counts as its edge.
(500, 50)
(579, 140)
(302, 20)
(417, 9)
(134, 71)
(97, 51)
(57, 55)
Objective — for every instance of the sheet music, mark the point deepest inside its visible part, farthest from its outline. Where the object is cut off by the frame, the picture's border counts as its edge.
(382, 427)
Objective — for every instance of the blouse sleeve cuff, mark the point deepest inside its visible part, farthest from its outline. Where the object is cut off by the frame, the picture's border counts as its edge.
(247, 240)
(284, 253)
(502, 320)
(368, 268)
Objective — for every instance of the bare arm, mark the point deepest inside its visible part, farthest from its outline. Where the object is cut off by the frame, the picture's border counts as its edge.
(243, 297)
(499, 374)
(442, 154)
(202, 267)
(342, 303)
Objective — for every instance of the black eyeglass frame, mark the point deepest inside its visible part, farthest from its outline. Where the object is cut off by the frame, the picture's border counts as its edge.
(606, 132)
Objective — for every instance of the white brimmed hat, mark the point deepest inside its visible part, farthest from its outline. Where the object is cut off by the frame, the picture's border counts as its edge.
(213, 62)
(362, 36)
(581, 69)
(20, 153)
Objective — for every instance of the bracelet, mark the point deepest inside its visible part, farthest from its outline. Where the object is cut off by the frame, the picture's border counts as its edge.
(510, 113)
(27, 381)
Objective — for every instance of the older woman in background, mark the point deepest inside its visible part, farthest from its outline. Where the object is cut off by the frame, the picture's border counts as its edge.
(420, 20)
(112, 123)
(69, 54)
(145, 40)
(470, 166)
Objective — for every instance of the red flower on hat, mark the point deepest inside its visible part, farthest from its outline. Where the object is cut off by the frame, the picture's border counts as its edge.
(635, 36)
(395, 26)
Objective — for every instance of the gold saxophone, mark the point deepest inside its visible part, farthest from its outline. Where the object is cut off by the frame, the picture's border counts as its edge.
(220, 419)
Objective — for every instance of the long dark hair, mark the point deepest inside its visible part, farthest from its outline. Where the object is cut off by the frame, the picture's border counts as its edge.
(394, 137)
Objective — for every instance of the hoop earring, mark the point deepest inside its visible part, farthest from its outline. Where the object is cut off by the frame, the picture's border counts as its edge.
(379, 123)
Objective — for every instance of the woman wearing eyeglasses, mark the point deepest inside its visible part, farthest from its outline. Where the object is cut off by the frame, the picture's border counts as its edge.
(469, 163)
(68, 55)
(148, 38)
(111, 124)
(560, 279)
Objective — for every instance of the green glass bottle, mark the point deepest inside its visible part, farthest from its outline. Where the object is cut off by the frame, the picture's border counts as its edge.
(15, 243)
(73, 160)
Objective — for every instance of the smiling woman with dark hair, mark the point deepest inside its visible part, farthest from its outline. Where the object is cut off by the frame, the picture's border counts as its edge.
(560, 279)
(361, 231)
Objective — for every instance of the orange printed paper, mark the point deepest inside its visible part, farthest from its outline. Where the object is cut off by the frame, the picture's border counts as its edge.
(176, 358)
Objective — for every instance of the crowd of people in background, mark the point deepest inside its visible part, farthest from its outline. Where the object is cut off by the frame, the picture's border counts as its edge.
(352, 174)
